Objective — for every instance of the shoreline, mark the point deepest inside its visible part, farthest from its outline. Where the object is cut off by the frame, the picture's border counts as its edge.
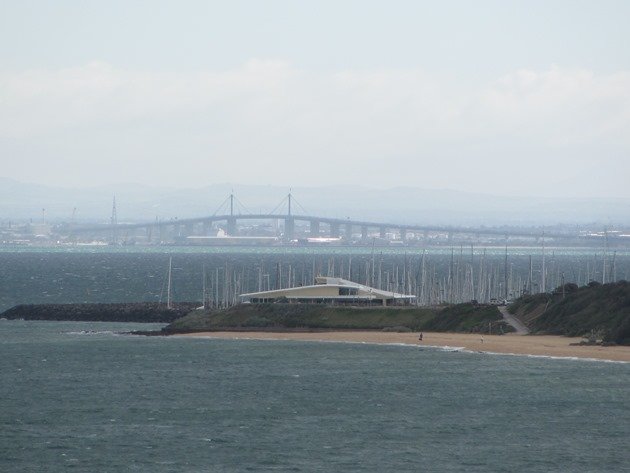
(510, 344)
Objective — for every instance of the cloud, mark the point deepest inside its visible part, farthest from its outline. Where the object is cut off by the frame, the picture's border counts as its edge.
(268, 121)
(561, 107)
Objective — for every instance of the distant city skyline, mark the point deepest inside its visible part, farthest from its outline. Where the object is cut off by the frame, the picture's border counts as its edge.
(521, 98)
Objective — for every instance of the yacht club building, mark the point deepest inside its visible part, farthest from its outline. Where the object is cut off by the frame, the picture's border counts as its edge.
(327, 290)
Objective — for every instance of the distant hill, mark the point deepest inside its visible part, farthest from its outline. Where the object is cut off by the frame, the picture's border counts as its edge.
(600, 311)
(23, 201)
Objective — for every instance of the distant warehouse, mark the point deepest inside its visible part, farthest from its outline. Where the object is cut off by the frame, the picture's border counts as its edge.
(328, 290)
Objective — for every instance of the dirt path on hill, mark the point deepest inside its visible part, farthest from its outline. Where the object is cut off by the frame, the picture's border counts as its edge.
(521, 329)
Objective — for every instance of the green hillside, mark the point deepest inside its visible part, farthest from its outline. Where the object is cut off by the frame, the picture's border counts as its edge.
(456, 318)
(603, 310)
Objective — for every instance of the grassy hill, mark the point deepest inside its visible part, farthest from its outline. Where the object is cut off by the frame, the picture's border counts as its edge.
(456, 318)
(603, 310)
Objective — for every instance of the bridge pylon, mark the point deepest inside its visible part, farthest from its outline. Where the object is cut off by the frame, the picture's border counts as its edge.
(289, 228)
(231, 226)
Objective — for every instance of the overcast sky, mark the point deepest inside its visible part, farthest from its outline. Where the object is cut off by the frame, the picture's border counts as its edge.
(517, 98)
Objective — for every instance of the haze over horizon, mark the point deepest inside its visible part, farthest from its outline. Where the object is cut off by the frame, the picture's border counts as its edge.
(521, 98)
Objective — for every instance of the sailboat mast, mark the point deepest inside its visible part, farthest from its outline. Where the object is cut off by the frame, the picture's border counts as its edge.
(169, 304)
(604, 268)
(505, 272)
(372, 280)
(472, 270)
(543, 286)
(205, 296)
(529, 282)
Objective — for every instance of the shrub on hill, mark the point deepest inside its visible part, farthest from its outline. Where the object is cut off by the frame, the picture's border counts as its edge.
(567, 288)
(465, 318)
(528, 303)
(604, 308)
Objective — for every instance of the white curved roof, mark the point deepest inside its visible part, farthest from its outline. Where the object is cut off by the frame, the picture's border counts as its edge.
(328, 287)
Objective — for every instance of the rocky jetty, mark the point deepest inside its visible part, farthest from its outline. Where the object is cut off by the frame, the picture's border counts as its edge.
(122, 312)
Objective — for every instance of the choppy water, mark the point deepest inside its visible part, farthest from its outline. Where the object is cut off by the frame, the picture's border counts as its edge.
(75, 396)
(72, 275)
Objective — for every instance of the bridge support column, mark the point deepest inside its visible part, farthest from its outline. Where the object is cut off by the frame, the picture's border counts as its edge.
(334, 230)
(170, 232)
(189, 229)
(403, 234)
(364, 233)
(231, 226)
(383, 232)
(289, 228)
(314, 228)
(348, 231)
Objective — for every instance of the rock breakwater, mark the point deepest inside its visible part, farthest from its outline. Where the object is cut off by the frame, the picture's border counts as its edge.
(115, 312)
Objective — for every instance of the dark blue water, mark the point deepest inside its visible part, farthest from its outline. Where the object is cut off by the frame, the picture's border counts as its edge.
(75, 396)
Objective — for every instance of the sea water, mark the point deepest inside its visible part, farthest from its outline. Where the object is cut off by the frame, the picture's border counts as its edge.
(85, 397)
(33, 275)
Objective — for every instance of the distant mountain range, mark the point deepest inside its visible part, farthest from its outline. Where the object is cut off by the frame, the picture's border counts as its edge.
(22, 201)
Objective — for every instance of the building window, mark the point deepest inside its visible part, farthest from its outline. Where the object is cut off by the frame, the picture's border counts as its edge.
(348, 291)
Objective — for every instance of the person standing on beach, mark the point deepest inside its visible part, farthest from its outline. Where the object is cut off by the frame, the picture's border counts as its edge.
(420, 337)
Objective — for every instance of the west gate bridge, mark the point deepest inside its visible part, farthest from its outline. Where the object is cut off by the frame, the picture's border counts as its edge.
(231, 220)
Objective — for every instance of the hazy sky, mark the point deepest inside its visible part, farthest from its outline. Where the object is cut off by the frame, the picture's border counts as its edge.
(522, 97)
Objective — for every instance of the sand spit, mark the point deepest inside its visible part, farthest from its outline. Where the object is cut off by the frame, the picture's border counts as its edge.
(535, 345)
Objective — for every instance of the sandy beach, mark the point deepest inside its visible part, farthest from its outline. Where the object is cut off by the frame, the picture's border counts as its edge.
(540, 345)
